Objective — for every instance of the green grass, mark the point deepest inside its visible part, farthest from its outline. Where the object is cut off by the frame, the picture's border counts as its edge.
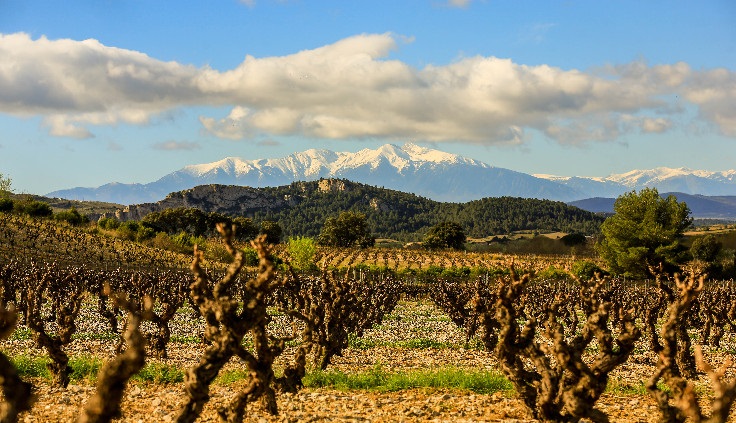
(416, 343)
(186, 339)
(31, 366)
(378, 379)
(231, 376)
(21, 334)
(621, 387)
(83, 367)
(159, 373)
(87, 368)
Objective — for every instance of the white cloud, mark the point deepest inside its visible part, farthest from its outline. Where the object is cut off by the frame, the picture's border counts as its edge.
(59, 126)
(353, 89)
(85, 82)
(231, 127)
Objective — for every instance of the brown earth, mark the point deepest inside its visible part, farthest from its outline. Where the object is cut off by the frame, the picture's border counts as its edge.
(152, 402)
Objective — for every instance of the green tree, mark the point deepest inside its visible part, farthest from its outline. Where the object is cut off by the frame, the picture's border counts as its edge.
(5, 186)
(246, 229)
(348, 229)
(445, 235)
(272, 230)
(706, 248)
(645, 230)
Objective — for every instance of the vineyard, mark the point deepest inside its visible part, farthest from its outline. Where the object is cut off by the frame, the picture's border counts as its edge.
(261, 343)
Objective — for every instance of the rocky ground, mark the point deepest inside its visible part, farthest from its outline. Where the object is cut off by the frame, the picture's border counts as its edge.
(384, 346)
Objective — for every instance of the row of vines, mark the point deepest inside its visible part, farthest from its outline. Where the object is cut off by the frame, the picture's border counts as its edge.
(557, 341)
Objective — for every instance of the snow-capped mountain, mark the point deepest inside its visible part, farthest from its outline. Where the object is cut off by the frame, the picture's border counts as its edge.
(427, 172)
(430, 173)
(684, 180)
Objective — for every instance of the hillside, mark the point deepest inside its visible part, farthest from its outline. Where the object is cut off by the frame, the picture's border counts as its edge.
(301, 209)
(90, 208)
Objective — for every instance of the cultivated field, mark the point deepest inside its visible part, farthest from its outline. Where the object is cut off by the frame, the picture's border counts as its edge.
(356, 344)
(415, 338)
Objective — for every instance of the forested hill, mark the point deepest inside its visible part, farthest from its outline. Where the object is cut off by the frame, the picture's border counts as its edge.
(301, 208)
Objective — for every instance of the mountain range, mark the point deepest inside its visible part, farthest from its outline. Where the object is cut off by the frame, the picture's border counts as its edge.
(430, 173)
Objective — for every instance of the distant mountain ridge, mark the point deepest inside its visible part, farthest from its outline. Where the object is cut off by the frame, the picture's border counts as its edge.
(430, 173)
(701, 207)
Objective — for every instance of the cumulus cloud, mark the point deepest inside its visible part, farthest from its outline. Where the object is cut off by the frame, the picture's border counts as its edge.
(176, 145)
(353, 89)
(74, 83)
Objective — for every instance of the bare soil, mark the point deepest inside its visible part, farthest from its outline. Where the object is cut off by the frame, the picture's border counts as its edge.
(152, 402)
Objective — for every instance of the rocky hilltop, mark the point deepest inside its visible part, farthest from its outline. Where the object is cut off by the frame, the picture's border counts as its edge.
(228, 199)
(234, 200)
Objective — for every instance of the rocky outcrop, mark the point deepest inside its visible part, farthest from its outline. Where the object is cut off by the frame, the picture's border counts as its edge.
(331, 185)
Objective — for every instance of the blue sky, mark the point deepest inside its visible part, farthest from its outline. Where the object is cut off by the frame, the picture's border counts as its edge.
(129, 90)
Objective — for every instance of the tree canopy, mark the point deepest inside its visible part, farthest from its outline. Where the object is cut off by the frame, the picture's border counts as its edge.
(272, 230)
(445, 235)
(197, 222)
(644, 231)
(348, 229)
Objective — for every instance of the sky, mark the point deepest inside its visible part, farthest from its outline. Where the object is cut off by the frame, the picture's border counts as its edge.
(99, 91)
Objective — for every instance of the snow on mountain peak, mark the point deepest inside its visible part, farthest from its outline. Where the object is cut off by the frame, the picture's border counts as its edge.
(316, 163)
(659, 174)
(229, 165)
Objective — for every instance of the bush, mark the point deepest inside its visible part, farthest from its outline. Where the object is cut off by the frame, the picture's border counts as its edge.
(6, 205)
(573, 239)
(302, 251)
(246, 230)
(250, 257)
(272, 230)
(706, 248)
(134, 231)
(108, 223)
(127, 230)
(552, 273)
(34, 208)
(187, 241)
(72, 216)
(586, 270)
